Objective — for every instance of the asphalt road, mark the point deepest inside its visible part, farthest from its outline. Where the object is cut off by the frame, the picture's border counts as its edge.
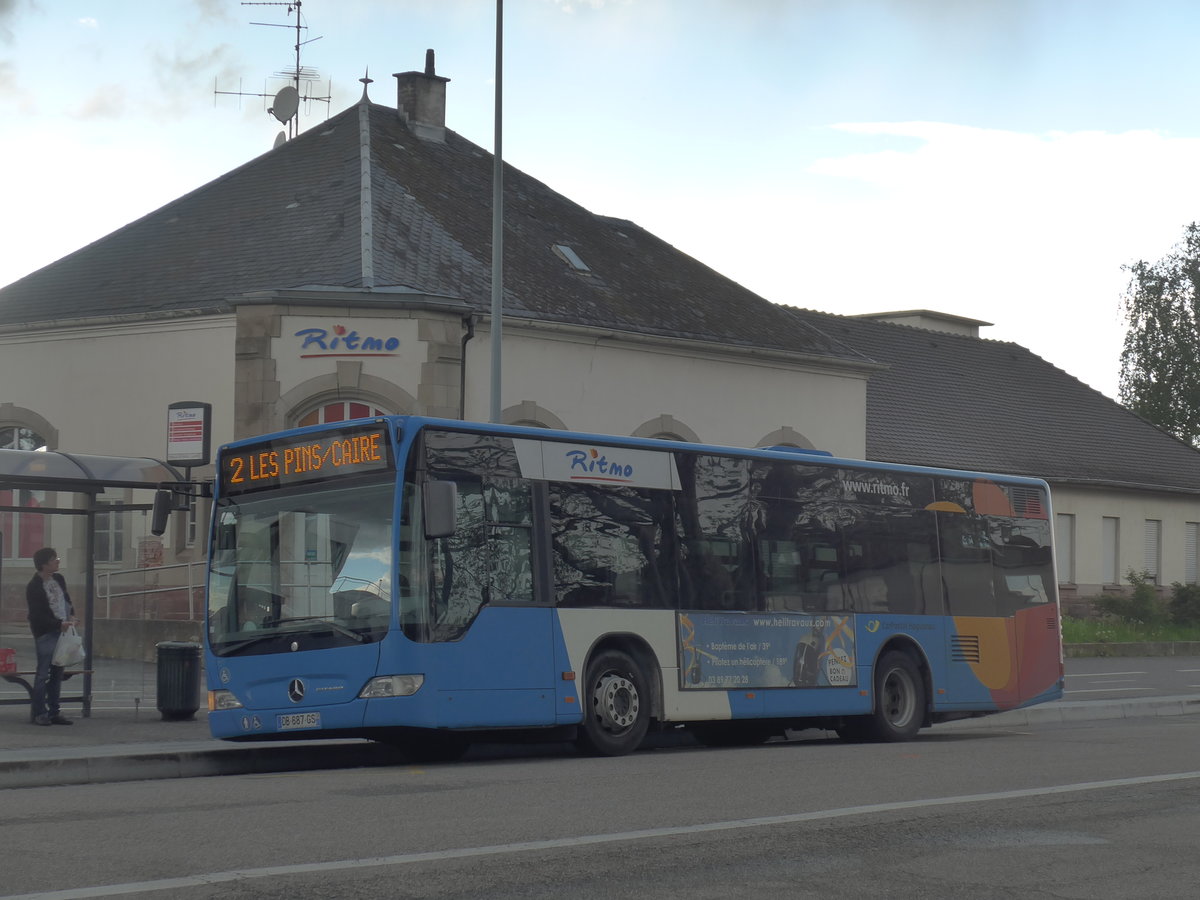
(1096, 810)
(1115, 678)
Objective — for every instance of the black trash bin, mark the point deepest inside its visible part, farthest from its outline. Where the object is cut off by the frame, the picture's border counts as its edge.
(178, 679)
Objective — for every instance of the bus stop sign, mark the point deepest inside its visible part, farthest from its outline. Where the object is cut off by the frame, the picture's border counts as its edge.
(189, 427)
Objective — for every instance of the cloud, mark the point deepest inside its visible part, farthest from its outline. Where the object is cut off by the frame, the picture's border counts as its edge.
(1029, 231)
(572, 6)
(88, 22)
(1043, 193)
(8, 13)
(1025, 230)
(182, 67)
(108, 101)
(214, 12)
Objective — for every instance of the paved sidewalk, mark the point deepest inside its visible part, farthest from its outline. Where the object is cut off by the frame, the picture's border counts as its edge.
(126, 738)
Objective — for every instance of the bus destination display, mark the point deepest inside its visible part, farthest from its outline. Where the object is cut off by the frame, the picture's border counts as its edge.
(311, 458)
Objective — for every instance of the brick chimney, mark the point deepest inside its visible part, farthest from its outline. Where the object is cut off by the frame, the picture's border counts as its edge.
(421, 101)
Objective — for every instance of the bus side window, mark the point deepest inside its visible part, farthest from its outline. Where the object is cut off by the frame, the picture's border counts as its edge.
(1021, 563)
(487, 558)
(966, 565)
(719, 517)
(509, 511)
(610, 546)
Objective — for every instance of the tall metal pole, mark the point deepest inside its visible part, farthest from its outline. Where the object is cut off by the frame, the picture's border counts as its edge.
(497, 219)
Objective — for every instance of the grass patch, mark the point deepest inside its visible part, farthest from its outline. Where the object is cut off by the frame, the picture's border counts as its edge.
(1104, 631)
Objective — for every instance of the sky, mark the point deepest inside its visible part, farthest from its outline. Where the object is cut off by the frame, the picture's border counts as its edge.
(1001, 160)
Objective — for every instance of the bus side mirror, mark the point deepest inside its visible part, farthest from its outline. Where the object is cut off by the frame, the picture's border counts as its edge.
(440, 500)
(161, 512)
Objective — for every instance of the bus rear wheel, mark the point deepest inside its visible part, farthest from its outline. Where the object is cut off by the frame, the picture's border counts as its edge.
(899, 703)
(615, 700)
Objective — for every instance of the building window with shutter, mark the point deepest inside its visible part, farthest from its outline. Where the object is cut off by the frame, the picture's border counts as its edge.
(1110, 550)
(1191, 573)
(1064, 547)
(1152, 555)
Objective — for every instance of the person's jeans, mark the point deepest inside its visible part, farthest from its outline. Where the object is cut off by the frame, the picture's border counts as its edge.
(47, 683)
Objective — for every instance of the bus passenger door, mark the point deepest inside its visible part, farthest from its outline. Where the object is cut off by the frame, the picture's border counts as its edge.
(491, 652)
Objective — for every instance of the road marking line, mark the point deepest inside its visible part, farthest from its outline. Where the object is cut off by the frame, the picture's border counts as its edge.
(1103, 674)
(1081, 691)
(171, 884)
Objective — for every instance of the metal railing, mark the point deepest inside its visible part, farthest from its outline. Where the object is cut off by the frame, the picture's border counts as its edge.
(192, 583)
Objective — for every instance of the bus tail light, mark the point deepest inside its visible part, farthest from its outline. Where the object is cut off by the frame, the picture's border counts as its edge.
(392, 686)
(218, 700)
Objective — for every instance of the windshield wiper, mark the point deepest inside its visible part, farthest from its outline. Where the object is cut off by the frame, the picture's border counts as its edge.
(230, 649)
(331, 625)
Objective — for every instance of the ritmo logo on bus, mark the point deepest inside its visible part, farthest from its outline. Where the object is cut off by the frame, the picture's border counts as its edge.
(592, 465)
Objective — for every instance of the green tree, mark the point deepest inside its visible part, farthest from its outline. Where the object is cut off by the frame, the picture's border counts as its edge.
(1160, 363)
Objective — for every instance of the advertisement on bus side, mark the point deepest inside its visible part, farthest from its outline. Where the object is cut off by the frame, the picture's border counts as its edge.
(765, 650)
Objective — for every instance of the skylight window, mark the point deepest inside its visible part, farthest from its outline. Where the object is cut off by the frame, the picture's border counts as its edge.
(570, 257)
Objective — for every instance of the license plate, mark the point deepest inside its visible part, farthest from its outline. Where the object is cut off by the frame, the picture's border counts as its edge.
(293, 721)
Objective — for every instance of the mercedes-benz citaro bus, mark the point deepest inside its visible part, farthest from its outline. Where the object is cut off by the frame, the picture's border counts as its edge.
(430, 583)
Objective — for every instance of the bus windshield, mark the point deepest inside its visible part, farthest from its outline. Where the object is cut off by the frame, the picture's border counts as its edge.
(311, 567)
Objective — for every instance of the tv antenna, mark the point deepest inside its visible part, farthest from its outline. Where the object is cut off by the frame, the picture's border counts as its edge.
(286, 102)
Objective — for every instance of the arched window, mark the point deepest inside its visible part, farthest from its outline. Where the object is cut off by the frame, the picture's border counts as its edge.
(787, 436)
(340, 411)
(666, 428)
(529, 413)
(17, 437)
(23, 532)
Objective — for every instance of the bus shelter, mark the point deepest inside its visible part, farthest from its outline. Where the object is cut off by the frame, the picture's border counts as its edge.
(24, 474)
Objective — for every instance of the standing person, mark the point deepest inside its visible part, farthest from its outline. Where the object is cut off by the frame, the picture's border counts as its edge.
(50, 614)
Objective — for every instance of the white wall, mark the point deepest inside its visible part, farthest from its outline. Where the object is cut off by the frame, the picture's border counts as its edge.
(602, 386)
(1090, 506)
(106, 388)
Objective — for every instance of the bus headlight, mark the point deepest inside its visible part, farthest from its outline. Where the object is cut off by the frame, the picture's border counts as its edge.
(392, 686)
(222, 700)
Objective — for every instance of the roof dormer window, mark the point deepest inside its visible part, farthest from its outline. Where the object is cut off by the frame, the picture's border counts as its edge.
(570, 257)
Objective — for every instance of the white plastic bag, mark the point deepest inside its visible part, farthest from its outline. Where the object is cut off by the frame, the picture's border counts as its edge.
(69, 650)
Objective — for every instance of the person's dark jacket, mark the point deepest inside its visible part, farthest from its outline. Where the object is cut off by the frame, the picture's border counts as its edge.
(42, 619)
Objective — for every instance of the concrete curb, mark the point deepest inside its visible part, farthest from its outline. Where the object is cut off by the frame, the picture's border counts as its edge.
(141, 762)
(1147, 648)
(1063, 712)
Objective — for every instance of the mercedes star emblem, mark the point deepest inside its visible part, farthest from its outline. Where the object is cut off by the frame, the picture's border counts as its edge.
(296, 690)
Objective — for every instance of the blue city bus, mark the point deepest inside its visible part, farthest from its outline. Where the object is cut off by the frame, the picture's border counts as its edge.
(430, 583)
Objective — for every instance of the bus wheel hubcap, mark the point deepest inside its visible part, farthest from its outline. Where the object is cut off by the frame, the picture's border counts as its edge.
(616, 702)
(898, 699)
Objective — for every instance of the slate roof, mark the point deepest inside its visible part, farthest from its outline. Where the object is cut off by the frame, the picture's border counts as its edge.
(291, 219)
(993, 406)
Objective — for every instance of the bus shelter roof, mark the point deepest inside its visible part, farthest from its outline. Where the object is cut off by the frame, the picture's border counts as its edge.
(58, 471)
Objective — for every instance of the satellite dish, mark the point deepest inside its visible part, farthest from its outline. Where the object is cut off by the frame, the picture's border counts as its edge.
(280, 139)
(287, 101)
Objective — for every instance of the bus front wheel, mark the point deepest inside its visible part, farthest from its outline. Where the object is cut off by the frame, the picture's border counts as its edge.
(615, 700)
(899, 703)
